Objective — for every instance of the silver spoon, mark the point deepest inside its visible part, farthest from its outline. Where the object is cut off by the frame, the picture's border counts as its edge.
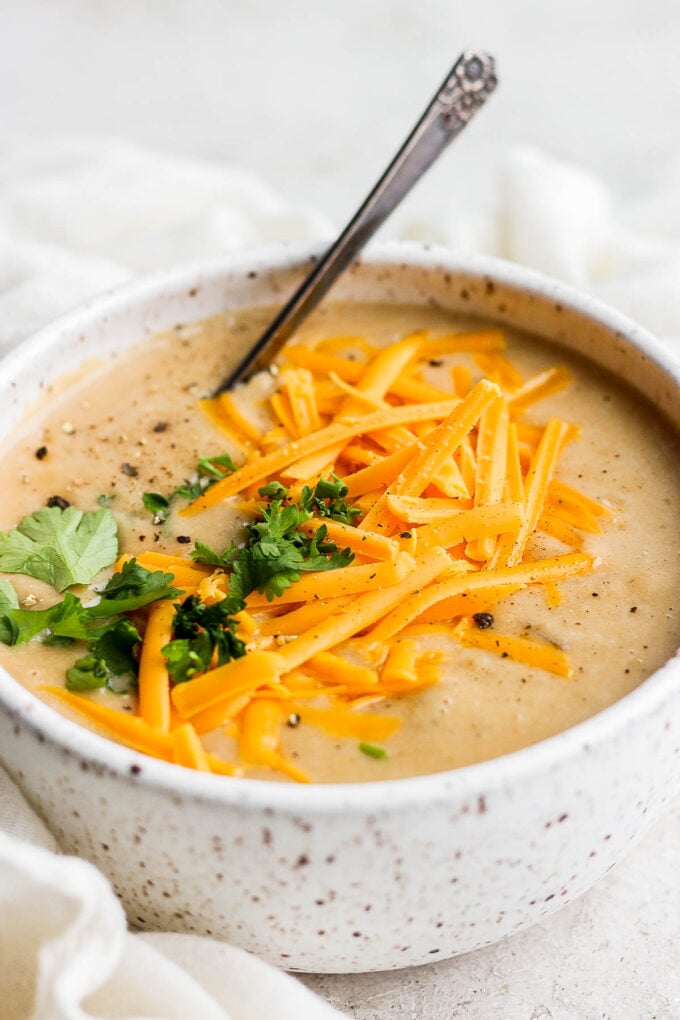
(468, 85)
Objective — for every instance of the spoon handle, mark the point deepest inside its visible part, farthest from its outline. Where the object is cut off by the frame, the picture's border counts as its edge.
(465, 89)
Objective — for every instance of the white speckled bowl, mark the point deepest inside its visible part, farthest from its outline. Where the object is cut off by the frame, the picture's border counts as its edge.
(350, 877)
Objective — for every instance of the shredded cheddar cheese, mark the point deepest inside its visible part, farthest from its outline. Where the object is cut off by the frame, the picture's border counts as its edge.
(453, 486)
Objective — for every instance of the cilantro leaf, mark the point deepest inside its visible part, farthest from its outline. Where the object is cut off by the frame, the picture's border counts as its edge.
(61, 547)
(62, 623)
(69, 620)
(190, 490)
(203, 553)
(278, 552)
(8, 596)
(131, 588)
(215, 467)
(185, 657)
(109, 663)
(273, 490)
(114, 648)
(157, 505)
(201, 632)
(208, 471)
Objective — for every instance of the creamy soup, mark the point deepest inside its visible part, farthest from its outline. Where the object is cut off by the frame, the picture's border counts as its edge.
(134, 427)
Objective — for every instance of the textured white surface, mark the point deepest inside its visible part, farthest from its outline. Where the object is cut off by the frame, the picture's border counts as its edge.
(66, 953)
(612, 955)
(281, 89)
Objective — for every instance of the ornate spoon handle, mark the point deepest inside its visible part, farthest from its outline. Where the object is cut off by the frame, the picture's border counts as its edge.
(465, 89)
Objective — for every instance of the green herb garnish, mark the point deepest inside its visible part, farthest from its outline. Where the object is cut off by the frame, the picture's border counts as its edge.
(373, 751)
(201, 631)
(110, 637)
(110, 662)
(327, 499)
(157, 505)
(132, 587)
(61, 547)
(208, 471)
(276, 553)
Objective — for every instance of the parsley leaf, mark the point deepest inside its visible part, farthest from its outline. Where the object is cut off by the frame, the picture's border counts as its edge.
(131, 588)
(114, 648)
(61, 547)
(157, 505)
(278, 552)
(62, 623)
(208, 471)
(69, 620)
(109, 663)
(8, 596)
(203, 553)
(201, 632)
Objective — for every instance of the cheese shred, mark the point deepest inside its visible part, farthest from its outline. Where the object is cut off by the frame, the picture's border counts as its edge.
(451, 484)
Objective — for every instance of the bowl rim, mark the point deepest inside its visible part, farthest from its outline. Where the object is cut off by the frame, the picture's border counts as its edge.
(48, 725)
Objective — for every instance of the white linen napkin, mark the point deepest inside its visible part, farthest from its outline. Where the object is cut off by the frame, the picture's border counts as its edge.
(65, 953)
(83, 214)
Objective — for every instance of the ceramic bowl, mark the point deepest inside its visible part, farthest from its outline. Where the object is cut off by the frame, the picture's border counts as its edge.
(368, 876)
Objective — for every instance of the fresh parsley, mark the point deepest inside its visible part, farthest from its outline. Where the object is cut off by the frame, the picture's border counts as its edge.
(278, 552)
(157, 505)
(109, 663)
(203, 553)
(8, 596)
(61, 547)
(132, 587)
(203, 632)
(275, 554)
(208, 471)
(111, 638)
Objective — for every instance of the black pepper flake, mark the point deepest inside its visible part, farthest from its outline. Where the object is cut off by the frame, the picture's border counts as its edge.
(160, 426)
(41, 453)
(436, 362)
(129, 469)
(483, 620)
(293, 720)
(59, 501)
(184, 539)
(633, 609)
(405, 534)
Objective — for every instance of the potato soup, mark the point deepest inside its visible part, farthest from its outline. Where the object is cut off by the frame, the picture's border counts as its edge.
(420, 543)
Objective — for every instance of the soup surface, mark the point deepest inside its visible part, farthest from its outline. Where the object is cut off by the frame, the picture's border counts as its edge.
(135, 426)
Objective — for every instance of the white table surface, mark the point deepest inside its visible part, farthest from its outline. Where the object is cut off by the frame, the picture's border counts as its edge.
(315, 95)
